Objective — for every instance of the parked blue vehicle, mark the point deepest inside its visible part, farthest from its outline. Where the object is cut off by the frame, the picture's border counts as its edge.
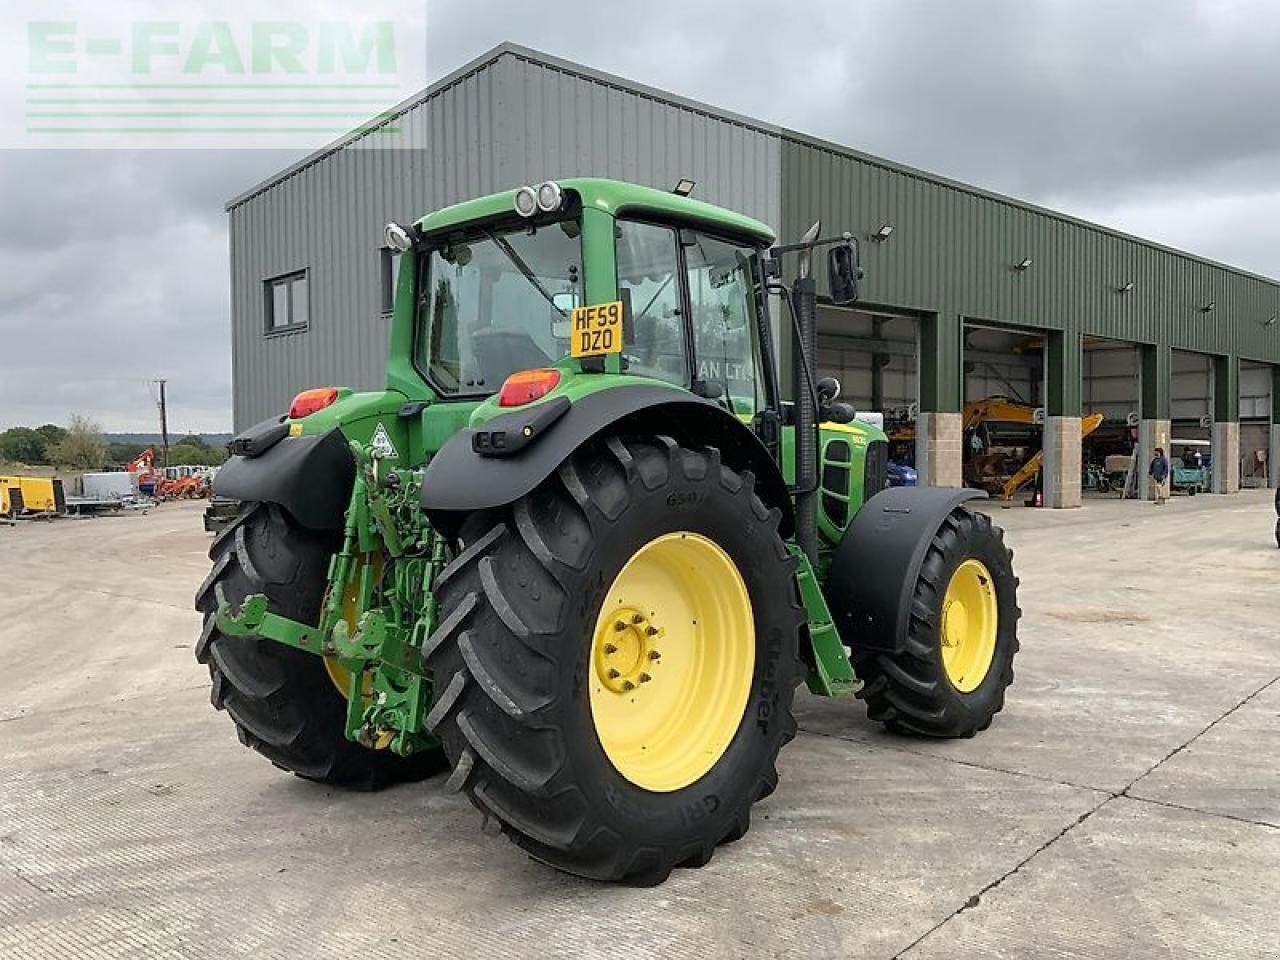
(900, 475)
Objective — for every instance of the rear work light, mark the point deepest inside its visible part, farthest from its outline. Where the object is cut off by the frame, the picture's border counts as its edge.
(309, 401)
(526, 386)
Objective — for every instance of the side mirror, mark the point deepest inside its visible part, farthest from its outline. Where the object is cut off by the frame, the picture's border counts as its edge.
(562, 305)
(843, 273)
(828, 388)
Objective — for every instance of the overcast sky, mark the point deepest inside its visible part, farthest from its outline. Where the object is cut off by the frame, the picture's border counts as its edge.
(1157, 117)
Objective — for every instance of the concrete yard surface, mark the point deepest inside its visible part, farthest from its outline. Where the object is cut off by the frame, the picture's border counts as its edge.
(1126, 803)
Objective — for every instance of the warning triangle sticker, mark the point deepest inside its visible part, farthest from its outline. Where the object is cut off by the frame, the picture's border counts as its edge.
(381, 443)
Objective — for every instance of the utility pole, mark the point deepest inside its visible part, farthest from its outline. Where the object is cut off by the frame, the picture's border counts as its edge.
(164, 423)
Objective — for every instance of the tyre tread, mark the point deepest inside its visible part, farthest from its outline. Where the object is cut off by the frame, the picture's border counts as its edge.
(907, 690)
(508, 760)
(281, 700)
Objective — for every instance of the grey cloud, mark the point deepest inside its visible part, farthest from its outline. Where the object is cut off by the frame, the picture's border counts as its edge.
(113, 271)
(1154, 117)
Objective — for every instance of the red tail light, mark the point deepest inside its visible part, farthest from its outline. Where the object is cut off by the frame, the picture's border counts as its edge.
(309, 401)
(526, 386)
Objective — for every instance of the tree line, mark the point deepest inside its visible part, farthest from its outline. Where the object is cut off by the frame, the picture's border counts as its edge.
(81, 446)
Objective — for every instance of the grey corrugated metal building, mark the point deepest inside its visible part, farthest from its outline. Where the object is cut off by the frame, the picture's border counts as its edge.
(961, 269)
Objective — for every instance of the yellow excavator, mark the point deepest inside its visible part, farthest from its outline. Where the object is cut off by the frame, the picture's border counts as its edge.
(990, 421)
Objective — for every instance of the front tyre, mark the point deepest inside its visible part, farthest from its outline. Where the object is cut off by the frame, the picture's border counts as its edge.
(950, 677)
(616, 660)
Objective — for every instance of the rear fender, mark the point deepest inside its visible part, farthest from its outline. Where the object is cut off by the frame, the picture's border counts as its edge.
(874, 567)
(310, 476)
(475, 469)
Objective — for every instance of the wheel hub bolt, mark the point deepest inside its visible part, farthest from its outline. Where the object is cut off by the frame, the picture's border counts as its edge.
(627, 650)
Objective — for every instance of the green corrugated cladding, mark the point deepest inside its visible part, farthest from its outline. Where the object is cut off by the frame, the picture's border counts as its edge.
(952, 255)
(1157, 367)
(1226, 388)
(1064, 360)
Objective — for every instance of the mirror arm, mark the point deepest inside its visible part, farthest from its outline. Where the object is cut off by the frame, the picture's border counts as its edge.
(845, 237)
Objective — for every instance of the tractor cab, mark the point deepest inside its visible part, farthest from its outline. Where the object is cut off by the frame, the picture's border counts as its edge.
(585, 284)
(509, 292)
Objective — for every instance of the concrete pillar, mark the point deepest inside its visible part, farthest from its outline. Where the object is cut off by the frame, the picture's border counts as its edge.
(1151, 434)
(1226, 456)
(1060, 440)
(939, 441)
(1226, 424)
(1273, 456)
(940, 425)
(1062, 455)
(1155, 429)
(1273, 451)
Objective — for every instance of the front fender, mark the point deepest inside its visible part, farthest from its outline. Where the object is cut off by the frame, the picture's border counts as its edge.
(873, 571)
(460, 479)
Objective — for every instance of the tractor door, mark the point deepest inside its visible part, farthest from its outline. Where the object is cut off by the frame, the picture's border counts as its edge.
(695, 314)
(726, 324)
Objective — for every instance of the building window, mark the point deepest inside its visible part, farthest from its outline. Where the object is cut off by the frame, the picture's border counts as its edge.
(287, 303)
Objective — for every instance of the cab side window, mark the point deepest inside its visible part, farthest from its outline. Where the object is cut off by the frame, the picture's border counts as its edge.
(648, 280)
(725, 322)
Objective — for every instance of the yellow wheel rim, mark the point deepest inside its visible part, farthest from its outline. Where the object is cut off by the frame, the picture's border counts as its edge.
(970, 617)
(672, 658)
(338, 674)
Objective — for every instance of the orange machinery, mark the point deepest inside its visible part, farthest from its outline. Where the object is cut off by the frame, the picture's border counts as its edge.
(990, 470)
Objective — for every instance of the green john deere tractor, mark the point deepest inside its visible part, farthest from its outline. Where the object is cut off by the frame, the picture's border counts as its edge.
(580, 551)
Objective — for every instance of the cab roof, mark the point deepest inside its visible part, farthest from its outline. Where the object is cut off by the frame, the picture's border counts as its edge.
(614, 197)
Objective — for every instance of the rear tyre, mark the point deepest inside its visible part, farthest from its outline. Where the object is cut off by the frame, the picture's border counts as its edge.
(282, 701)
(951, 676)
(616, 660)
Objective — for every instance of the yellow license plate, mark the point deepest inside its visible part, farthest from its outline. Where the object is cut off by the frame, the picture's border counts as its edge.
(596, 330)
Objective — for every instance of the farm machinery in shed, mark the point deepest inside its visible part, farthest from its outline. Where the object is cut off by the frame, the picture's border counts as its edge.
(579, 551)
(1008, 453)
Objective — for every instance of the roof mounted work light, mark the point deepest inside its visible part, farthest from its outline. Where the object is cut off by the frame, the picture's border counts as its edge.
(397, 237)
(550, 197)
(526, 201)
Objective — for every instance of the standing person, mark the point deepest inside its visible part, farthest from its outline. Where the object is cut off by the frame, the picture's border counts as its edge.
(1159, 472)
